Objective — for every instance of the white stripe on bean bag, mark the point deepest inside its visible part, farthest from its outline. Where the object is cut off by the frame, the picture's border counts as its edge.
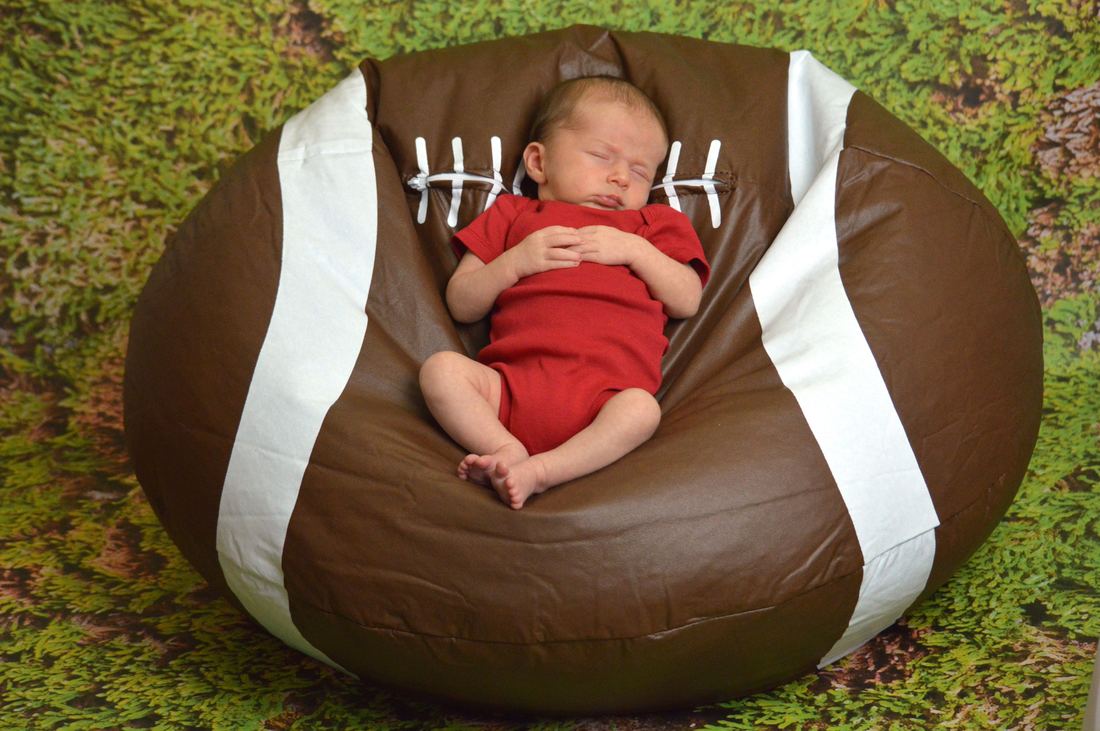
(326, 174)
(811, 334)
(817, 105)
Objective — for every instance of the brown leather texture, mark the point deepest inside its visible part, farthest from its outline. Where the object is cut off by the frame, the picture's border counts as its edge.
(715, 560)
(194, 338)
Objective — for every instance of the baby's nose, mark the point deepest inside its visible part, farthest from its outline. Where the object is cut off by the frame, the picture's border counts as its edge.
(619, 174)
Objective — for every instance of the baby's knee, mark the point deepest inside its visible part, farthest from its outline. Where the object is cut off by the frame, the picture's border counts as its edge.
(440, 370)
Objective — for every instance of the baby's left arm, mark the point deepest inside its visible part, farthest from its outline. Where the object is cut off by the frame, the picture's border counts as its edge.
(677, 286)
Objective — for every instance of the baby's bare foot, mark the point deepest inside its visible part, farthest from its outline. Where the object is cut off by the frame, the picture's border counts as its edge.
(516, 483)
(476, 468)
(479, 467)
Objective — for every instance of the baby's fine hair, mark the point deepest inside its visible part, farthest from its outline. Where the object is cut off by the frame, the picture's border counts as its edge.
(556, 110)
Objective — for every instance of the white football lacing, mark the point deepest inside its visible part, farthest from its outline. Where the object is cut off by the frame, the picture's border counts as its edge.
(424, 180)
(706, 182)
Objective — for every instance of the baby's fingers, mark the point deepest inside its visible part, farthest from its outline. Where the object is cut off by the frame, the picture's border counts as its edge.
(562, 263)
(563, 254)
(563, 239)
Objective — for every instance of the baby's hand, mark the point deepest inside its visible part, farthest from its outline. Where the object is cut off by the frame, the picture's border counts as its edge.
(545, 249)
(608, 245)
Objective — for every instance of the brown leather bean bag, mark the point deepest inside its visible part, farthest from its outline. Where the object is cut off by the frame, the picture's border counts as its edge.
(845, 420)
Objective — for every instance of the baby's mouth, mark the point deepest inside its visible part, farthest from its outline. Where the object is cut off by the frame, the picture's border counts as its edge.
(609, 201)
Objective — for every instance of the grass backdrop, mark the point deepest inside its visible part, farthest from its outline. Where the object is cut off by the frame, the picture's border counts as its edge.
(116, 117)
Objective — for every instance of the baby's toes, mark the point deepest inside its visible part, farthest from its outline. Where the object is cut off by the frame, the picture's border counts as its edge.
(516, 497)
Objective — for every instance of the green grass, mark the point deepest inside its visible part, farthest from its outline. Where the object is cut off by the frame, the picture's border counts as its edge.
(116, 118)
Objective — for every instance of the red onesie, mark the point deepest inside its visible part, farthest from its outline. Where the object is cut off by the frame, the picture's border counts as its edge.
(565, 341)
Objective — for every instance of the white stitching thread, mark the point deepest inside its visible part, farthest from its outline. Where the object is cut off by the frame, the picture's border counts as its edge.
(706, 182)
(424, 180)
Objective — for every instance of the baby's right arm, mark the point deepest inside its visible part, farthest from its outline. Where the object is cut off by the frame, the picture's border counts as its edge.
(475, 285)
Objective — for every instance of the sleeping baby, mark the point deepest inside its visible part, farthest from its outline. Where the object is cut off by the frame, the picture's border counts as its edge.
(579, 285)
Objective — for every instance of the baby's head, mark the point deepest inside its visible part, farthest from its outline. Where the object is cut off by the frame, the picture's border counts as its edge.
(596, 141)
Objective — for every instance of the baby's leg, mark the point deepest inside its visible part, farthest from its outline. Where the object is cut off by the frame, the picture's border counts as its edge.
(629, 418)
(464, 397)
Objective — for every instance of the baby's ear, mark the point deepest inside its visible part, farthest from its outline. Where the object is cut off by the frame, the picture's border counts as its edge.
(533, 160)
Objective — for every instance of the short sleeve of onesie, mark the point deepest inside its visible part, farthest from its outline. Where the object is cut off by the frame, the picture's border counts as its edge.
(671, 232)
(486, 234)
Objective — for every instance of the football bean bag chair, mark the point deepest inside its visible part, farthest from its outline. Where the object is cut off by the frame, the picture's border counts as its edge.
(844, 421)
